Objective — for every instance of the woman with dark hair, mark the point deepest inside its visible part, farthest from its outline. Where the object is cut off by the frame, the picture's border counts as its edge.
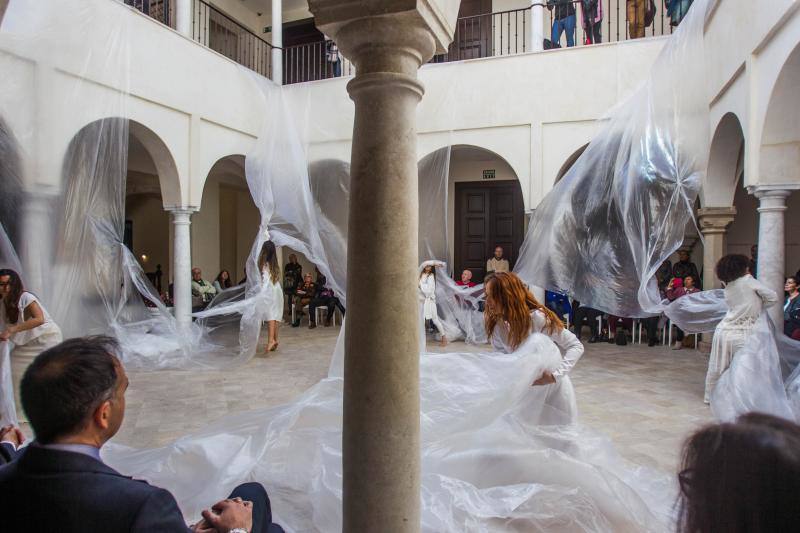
(741, 478)
(223, 281)
(427, 289)
(23, 319)
(270, 278)
(512, 314)
(746, 298)
(24, 322)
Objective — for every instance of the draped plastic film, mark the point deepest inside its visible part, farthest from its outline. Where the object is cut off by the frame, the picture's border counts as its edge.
(497, 454)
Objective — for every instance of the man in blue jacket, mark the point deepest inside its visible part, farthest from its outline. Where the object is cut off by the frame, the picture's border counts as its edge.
(74, 397)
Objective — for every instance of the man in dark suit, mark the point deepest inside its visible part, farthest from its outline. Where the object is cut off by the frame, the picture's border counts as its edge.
(11, 438)
(74, 397)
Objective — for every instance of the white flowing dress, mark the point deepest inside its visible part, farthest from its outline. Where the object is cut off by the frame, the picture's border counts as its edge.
(273, 297)
(427, 290)
(746, 298)
(497, 454)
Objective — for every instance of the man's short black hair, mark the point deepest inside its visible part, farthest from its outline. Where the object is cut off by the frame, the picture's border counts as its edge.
(66, 383)
(732, 267)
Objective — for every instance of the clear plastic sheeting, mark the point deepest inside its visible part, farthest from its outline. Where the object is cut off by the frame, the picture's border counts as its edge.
(8, 406)
(622, 208)
(497, 455)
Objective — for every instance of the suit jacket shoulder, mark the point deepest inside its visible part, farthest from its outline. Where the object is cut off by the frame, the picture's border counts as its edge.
(52, 490)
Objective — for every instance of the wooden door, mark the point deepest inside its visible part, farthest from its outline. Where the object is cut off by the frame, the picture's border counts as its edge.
(487, 215)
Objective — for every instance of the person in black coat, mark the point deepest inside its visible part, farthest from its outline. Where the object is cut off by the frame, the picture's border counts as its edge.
(74, 397)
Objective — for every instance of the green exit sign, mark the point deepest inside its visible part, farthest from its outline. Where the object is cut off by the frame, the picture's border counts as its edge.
(488, 174)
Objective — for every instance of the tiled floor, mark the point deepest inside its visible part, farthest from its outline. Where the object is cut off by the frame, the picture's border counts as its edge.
(647, 400)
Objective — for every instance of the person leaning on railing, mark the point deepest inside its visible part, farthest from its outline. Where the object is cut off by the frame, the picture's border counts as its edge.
(592, 20)
(563, 20)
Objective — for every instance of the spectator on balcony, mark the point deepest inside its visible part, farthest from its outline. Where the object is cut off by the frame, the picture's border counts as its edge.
(676, 10)
(592, 18)
(636, 17)
(333, 58)
(563, 21)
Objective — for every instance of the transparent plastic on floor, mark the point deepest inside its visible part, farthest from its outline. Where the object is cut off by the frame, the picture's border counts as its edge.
(497, 455)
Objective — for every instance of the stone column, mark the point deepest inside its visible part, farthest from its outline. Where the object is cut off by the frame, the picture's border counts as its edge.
(713, 222)
(387, 41)
(37, 246)
(183, 17)
(182, 264)
(771, 242)
(277, 42)
(537, 26)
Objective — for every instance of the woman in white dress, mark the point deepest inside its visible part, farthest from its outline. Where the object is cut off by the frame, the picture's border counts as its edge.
(26, 328)
(427, 289)
(272, 290)
(746, 298)
(512, 314)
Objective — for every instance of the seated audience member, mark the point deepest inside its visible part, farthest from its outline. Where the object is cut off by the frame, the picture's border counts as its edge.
(223, 281)
(741, 477)
(202, 291)
(74, 397)
(324, 297)
(615, 322)
(791, 309)
(676, 289)
(586, 316)
(684, 267)
(466, 279)
(11, 438)
(303, 295)
(557, 303)
(497, 263)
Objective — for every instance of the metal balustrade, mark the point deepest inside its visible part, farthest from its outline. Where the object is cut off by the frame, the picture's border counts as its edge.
(478, 36)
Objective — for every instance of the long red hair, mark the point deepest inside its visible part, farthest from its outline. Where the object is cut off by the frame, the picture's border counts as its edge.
(508, 300)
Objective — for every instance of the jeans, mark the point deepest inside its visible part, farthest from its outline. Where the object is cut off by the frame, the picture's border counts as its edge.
(564, 25)
(262, 511)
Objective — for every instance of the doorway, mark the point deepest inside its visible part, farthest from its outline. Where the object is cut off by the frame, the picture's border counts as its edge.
(487, 215)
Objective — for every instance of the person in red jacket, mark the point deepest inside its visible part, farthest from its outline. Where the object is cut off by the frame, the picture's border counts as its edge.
(466, 279)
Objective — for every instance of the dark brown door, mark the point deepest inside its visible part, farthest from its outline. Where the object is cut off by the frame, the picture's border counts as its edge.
(487, 215)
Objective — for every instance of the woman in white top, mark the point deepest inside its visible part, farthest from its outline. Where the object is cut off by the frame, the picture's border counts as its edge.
(746, 298)
(427, 289)
(23, 319)
(272, 290)
(26, 330)
(512, 315)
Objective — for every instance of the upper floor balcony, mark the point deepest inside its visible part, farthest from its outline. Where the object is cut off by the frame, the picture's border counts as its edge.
(482, 31)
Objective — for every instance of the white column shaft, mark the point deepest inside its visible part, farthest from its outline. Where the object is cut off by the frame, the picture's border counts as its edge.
(183, 17)
(771, 244)
(182, 266)
(277, 42)
(537, 26)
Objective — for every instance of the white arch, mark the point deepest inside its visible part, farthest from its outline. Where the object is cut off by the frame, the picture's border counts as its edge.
(726, 150)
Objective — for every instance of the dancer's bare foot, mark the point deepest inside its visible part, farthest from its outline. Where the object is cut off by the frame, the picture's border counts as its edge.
(271, 346)
(274, 346)
(443, 342)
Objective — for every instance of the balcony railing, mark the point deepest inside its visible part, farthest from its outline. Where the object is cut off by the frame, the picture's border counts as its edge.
(314, 61)
(216, 30)
(160, 10)
(478, 36)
